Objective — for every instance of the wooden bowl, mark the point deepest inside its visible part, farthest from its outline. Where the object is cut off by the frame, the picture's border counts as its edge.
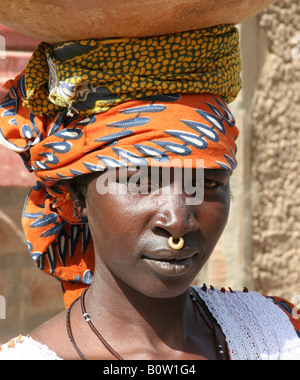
(64, 20)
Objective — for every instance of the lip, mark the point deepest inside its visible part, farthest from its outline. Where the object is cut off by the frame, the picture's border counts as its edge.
(168, 263)
(170, 255)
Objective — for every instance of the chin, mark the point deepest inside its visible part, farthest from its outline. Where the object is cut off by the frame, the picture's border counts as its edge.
(166, 289)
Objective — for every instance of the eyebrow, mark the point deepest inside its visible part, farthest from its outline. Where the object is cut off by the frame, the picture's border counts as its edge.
(222, 172)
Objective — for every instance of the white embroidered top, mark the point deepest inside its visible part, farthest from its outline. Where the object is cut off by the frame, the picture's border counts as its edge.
(25, 348)
(254, 326)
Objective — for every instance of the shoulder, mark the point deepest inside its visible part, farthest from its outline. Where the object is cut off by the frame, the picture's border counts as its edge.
(255, 326)
(49, 341)
(26, 348)
(54, 335)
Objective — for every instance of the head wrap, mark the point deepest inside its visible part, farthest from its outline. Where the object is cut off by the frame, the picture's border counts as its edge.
(92, 76)
(156, 127)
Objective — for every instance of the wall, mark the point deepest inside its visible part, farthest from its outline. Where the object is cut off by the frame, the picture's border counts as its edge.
(276, 155)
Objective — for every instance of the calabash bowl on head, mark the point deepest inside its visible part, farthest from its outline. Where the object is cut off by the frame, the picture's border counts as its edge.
(55, 21)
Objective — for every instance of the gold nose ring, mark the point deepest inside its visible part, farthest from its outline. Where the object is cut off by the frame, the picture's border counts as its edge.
(176, 246)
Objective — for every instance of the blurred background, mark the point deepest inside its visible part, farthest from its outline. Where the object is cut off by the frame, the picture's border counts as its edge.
(260, 248)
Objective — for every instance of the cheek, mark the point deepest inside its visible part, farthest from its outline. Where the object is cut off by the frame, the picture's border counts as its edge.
(213, 217)
(114, 225)
(103, 222)
(115, 233)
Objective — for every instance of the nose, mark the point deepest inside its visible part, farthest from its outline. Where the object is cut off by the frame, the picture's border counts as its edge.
(174, 217)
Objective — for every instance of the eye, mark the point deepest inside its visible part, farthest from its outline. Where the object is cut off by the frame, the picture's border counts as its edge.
(140, 181)
(206, 183)
(143, 181)
(210, 184)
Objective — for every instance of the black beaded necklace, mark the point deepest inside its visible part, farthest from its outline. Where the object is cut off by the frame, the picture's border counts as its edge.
(195, 298)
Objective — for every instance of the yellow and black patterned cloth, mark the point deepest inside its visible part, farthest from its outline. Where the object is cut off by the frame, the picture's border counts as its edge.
(91, 76)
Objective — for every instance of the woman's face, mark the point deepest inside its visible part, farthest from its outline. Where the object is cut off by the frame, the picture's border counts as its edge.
(131, 229)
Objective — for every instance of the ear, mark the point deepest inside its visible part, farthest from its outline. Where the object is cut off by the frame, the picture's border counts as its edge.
(75, 188)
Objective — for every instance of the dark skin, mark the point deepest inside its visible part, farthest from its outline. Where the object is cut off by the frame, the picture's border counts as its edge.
(133, 298)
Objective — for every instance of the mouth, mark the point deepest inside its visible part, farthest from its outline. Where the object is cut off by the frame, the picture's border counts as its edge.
(168, 263)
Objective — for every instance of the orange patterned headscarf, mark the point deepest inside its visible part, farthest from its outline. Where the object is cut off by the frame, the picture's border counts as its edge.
(157, 128)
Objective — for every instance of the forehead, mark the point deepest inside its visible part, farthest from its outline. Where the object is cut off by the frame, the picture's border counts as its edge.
(154, 170)
(161, 176)
(122, 185)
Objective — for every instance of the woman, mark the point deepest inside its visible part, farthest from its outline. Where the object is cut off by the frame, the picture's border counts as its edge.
(93, 123)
